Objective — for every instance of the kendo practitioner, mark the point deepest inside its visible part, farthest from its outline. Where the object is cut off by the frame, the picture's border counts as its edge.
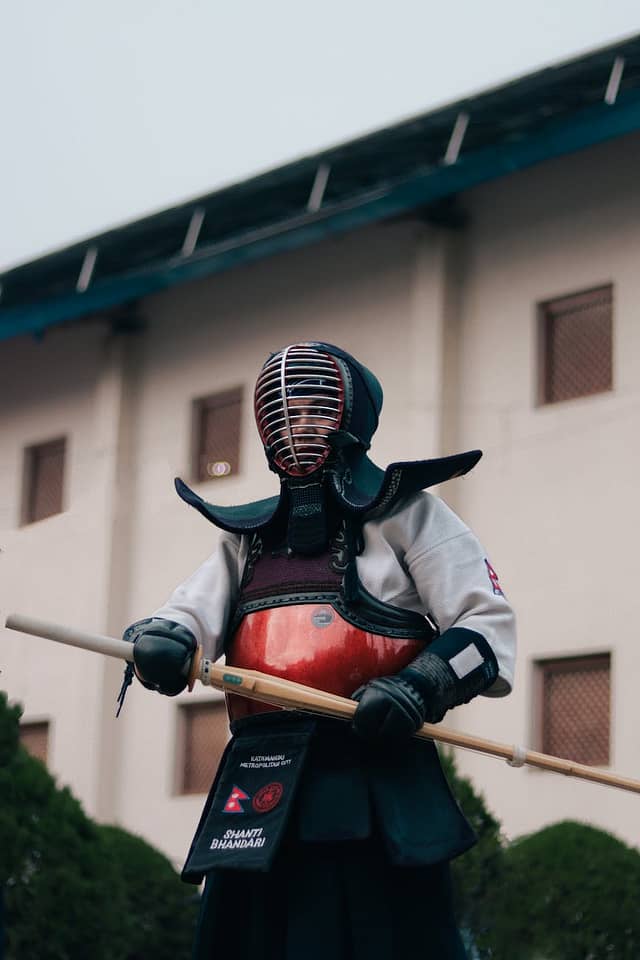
(322, 838)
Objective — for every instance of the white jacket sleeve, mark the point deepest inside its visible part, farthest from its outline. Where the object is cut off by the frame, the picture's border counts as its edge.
(204, 601)
(457, 584)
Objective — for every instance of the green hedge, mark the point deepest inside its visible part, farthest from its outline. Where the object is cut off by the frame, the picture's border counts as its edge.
(160, 910)
(74, 890)
(569, 892)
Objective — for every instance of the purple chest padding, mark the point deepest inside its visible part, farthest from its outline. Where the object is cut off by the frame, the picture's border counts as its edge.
(275, 576)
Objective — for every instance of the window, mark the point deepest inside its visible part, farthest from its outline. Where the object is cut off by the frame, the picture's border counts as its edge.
(34, 737)
(203, 735)
(575, 701)
(43, 480)
(217, 435)
(576, 345)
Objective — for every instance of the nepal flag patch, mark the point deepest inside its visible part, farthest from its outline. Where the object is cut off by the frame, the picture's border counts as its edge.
(233, 804)
(493, 577)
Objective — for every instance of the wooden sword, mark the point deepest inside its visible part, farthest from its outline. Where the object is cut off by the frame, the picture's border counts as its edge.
(296, 696)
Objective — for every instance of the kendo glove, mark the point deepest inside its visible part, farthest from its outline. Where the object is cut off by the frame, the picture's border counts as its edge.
(454, 668)
(162, 653)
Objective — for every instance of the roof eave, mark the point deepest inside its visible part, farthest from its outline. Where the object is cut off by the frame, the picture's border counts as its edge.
(585, 129)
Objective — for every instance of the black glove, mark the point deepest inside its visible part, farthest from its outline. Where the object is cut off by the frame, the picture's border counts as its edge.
(162, 653)
(452, 670)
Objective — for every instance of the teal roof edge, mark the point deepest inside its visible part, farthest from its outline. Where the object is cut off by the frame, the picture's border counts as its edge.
(586, 128)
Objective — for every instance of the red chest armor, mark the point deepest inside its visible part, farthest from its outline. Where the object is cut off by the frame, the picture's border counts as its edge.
(295, 620)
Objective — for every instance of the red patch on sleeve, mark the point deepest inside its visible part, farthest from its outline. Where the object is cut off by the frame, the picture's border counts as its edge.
(493, 577)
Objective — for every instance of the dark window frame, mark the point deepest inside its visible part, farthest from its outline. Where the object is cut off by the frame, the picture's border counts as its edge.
(549, 315)
(36, 726)
(32, 460)
(554, 666)
(231, 397)
(185, 779)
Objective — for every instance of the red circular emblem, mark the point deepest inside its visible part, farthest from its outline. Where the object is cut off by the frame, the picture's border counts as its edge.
(268, 797)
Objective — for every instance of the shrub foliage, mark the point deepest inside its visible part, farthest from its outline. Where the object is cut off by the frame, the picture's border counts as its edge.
(567, 892)
(72, 889)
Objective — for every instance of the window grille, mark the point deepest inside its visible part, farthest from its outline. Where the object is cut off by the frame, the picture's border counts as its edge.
(204, 730)
(217, 434)
(576, 702)
(576, 345)
(34, 737)
(43, 480)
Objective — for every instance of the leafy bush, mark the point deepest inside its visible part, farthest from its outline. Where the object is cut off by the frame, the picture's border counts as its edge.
(569, 892)
(160, 910)
(71, 888)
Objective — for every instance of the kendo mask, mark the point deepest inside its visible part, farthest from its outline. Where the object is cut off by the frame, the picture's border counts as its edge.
(311, 399)
(313, 403)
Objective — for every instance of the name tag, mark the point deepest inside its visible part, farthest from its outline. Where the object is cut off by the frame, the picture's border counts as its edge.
(253, 800)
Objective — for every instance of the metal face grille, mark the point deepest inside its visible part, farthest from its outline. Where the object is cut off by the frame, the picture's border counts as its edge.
(204, 736)
(576, 709)
(577, 345)
(217, 435)
(299, 401)
(34, 737)
(44, 476)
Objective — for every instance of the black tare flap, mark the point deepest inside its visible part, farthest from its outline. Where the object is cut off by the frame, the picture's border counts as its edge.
(252, 801)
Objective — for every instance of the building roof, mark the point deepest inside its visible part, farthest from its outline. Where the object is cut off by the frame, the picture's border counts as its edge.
(414, 165)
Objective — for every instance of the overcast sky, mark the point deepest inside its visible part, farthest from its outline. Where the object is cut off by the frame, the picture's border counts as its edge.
(119, 108)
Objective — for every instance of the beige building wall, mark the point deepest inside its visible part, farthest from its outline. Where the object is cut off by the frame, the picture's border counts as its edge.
(555, 497)
(68, 384)
(447, 320)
